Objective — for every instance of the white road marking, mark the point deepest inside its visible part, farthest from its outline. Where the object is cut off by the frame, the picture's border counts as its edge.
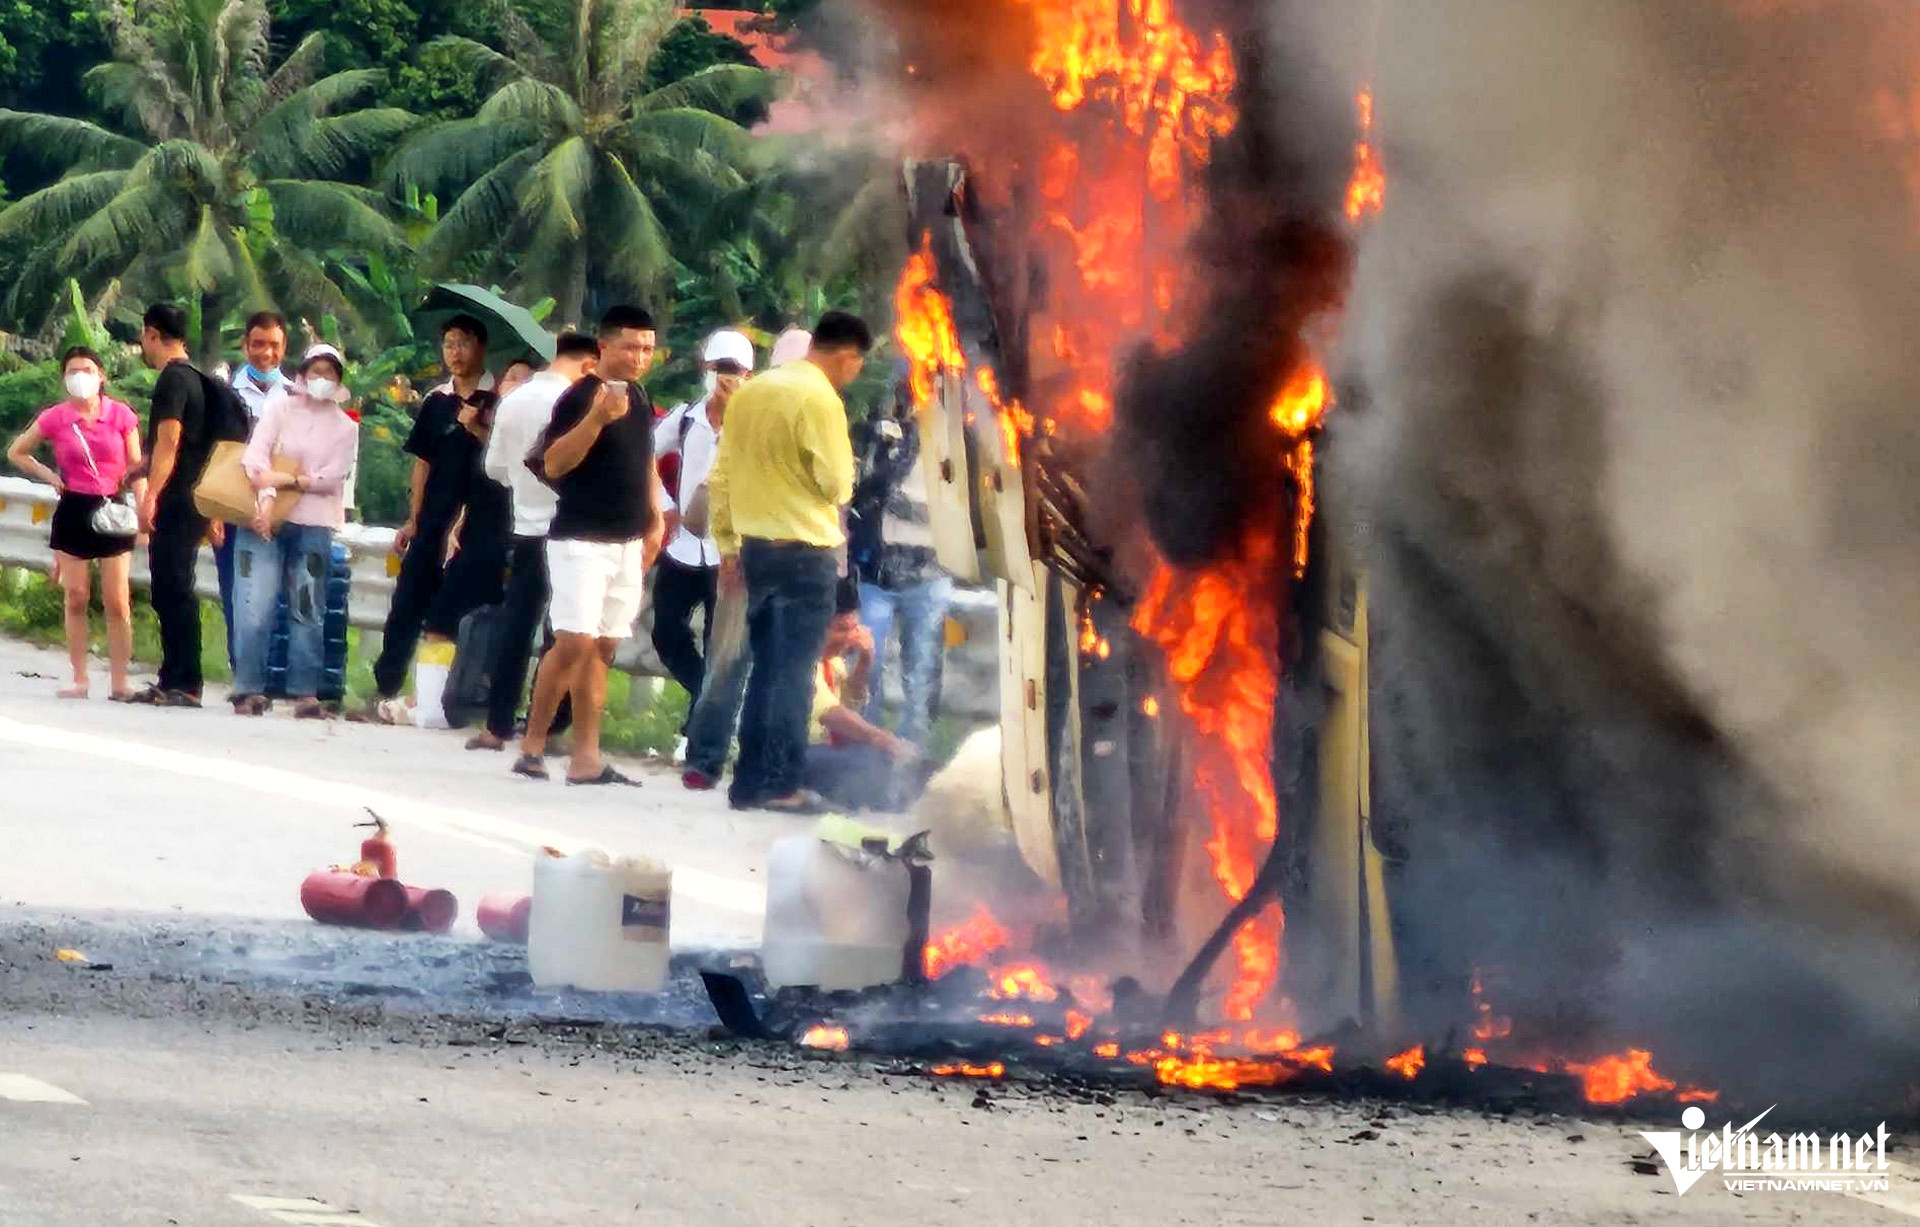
(501, 834)
(1902, 1195)
(22, 1089)
(303, 1211)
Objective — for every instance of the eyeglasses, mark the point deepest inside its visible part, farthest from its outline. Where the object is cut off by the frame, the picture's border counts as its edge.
(727, 367)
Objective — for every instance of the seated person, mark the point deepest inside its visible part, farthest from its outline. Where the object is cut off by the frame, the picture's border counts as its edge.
(853, 764)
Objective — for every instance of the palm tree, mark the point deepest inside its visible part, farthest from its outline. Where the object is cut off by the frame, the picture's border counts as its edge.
(212, 177)
(573, 178)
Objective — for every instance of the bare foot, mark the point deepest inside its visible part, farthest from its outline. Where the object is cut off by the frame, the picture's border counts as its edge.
(78, 691)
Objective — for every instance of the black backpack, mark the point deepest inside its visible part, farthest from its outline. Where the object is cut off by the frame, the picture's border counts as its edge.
(226, 420)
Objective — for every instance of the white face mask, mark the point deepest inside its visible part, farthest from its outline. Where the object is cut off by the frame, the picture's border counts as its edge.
(322, 388)
(82, 385)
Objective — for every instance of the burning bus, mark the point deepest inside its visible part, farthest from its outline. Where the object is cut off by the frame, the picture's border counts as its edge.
(1134, 233)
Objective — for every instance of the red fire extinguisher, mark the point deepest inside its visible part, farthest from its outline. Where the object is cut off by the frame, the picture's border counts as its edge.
(369, 894)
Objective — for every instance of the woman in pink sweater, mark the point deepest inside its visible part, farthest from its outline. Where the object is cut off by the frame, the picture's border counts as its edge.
(303, 421)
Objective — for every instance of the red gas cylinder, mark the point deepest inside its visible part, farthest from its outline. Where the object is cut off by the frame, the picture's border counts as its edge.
(341, 897)
(429, 910)
(505, 917)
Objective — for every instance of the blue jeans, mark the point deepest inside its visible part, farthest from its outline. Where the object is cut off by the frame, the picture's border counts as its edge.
(789, 607)
(223, 568)
(295, 560)
(921, 612)
(716, 712)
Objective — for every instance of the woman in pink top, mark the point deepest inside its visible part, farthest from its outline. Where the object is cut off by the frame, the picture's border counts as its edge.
(303, 421)
(95, 441)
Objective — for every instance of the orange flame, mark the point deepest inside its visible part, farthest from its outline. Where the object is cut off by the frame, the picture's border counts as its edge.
(924, 325)
(1409, 1063)
(1367, 194)
(969, 942)
(1025, 982)
(967, 1070)
(1220, 635)
(1475, 1058)
(826, 1036)
(1007, 1020)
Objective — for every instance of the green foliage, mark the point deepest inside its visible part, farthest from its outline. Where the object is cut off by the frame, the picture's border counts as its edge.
(232, 182)
(34, 608)
(693, 46)
(570, 132)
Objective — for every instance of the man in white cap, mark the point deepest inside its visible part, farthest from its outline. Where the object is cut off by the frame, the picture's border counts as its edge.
(686, 441)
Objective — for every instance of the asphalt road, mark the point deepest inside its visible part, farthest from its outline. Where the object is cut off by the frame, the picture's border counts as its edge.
(194, 1082)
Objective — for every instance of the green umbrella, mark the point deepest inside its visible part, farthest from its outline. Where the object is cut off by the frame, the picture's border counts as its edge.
(512, 331)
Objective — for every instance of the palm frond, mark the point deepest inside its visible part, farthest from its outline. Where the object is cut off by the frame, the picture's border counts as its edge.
(241, 30)
(248, 281)
(300, 69)
(144, 217)
(528, 49)
(555, 193)
(61, 141)
(722, 88)
(620, 40)
(482, 213)
(488, 67)
(162, 68)
(447, 157)
(534, 103)
(283, 122)
(129, 94)
(304, 287)
(181, 166)
(206, 263)
(630, 245)
(682, 132)
(332, 147)
(322, 215)
(56, 210)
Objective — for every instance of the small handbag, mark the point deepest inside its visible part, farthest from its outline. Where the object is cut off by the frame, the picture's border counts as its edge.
(116, 517)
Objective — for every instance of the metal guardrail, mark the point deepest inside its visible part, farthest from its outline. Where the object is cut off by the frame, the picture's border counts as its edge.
(971, 688)
(25, 507)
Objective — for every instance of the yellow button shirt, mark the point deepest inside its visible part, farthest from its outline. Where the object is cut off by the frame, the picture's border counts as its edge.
(786, 462)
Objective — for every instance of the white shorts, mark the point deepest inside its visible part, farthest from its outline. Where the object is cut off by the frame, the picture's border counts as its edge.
(598, 587)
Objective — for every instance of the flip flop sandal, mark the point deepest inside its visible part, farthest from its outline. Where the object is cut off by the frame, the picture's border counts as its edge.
(177, 698)
(531, 766)
(125, 696)
(607, 778)
(479, 743)
(311, 709)
(150, 697)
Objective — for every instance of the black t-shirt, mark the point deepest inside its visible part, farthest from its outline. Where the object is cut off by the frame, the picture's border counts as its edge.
(180, 396)
(610, 496)
(455, 469)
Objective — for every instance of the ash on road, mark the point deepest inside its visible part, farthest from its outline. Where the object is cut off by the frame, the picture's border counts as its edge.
(214, 1047)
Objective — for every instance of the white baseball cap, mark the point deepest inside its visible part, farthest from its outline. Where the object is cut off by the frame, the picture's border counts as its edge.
(729, 346)
(322, 350)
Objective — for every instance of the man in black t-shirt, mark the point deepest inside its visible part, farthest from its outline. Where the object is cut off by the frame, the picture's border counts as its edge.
(448, 444)
(179, 441)
(597, 454)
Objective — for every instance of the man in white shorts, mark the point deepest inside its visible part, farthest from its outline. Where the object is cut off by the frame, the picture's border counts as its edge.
(597, 454)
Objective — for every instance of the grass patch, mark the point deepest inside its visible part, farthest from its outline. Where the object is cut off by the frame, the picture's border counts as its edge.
(33, 608)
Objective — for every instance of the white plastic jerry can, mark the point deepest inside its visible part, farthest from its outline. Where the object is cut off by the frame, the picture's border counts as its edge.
(600, 924)
(838, 918)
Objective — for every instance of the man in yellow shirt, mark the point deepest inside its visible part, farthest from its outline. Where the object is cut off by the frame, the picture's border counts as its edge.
(784, 471)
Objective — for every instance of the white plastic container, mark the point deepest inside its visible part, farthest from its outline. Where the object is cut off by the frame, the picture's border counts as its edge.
(837, 918)
(430, 672)
(599, 924)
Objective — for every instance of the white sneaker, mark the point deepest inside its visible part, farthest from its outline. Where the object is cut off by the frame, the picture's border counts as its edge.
(679, 751)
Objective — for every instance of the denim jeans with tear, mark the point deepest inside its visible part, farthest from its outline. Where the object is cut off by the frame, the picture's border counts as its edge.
(295, 561)
(921, 613)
